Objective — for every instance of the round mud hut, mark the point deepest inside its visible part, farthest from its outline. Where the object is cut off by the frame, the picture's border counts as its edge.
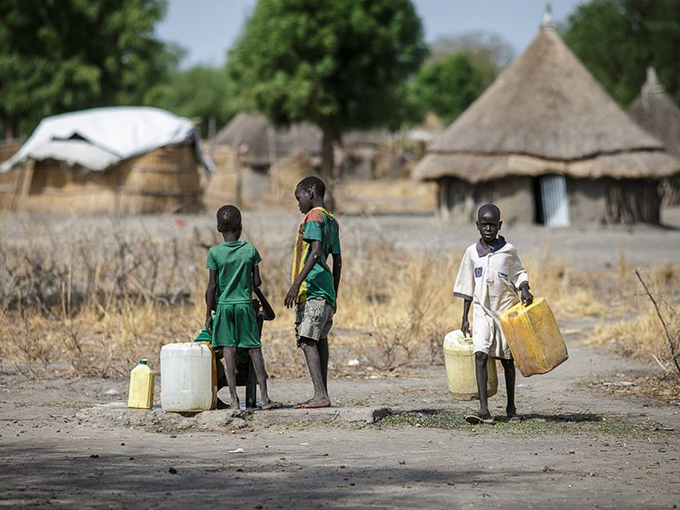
(260, 145)
(548, 145)
(656, 112)
(248, 150)
(118, 160)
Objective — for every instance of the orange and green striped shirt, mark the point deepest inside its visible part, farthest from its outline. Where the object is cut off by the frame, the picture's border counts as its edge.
(317, 225)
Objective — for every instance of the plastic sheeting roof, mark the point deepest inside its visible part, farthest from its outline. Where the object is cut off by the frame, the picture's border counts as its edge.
(101, 137)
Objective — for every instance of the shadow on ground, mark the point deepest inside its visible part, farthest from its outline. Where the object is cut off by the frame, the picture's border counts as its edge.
(60, 478)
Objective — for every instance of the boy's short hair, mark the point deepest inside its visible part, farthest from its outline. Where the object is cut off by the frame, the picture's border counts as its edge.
(228, 219)
(313, 183)
(493, 208)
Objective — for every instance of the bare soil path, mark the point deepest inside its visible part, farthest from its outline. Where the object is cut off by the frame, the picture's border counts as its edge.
(576, 449)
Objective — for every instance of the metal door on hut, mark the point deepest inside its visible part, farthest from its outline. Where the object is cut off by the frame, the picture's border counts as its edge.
(554, 200)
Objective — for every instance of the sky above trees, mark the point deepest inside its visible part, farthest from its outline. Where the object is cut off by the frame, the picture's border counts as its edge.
(207, 28)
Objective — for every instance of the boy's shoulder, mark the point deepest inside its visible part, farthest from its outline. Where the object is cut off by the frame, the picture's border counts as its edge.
(229, 247)
(502, 246)
(317, 214)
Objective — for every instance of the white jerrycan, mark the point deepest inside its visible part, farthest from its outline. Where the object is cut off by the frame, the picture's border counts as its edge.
(188, 377)
(461, 372)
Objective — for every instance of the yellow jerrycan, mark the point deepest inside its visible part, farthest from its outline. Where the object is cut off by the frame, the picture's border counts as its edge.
(534, 338)
(461, 374)
(141, 386)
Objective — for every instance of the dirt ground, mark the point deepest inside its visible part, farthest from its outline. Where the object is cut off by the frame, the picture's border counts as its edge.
(577, 448)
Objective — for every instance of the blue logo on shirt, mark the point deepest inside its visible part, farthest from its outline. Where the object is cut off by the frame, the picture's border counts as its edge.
(478, 272)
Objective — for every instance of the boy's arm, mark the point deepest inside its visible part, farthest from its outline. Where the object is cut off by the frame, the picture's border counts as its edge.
(464, 288)
(465, 323)
(257, 279)
(337, 271)
(520, 278)
(526, 296)
(267, 309)
(314, 254)
(210, 298)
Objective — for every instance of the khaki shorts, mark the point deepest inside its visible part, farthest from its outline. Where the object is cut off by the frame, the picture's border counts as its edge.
(313, 319)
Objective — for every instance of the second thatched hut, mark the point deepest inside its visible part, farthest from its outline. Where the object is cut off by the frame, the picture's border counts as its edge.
(548, 145)
(657, 113)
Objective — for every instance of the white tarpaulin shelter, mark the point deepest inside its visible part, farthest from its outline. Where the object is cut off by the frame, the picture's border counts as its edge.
(101, 137)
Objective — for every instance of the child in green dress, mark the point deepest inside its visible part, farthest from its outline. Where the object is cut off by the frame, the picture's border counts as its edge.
(234, 273)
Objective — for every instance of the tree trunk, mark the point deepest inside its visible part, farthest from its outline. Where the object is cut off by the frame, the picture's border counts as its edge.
(10, 124)
(330, 136)
(327, 154)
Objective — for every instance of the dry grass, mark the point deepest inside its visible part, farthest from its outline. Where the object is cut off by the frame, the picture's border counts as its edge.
(97, 299)
(644, 337)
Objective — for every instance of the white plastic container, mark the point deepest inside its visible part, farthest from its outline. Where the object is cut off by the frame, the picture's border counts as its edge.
(461, 371)
(188, 377)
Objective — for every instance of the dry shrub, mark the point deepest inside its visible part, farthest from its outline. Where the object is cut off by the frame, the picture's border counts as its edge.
(644, 337)
(98, 297)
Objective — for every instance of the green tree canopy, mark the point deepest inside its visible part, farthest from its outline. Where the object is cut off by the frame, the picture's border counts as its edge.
(488, 52)
(445, 87)
(57, 56)
(196, 92)
(618, 39)
(337, 64)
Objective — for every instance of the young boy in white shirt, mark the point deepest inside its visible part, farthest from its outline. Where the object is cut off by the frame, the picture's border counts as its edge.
(489, 277)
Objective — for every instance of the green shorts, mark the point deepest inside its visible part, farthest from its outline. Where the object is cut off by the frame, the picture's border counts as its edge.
(235, 325)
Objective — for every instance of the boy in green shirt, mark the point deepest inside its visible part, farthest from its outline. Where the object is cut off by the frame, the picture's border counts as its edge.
(315, 286)
(234, 272)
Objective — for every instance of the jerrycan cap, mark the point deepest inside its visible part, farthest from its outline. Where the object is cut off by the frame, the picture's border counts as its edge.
(143, 361)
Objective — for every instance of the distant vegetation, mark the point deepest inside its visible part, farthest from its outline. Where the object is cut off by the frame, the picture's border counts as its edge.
(338, 65)
(618, 39)
(342, 65)
(63, 56)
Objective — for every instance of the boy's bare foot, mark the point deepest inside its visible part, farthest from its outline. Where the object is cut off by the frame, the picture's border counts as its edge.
(313, 403)
(270, 405)
(235, 404)
(478, 417)
(511, 414)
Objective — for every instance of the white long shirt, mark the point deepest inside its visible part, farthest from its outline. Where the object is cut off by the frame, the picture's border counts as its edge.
(490, 279)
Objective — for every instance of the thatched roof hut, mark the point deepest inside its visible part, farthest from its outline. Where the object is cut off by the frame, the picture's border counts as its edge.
(117, 160)
(261, 145)
(657, 113)
(548, 144)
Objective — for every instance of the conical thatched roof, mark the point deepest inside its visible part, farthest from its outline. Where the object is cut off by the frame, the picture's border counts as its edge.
(545, 114)
(656, 112)
(265, 144)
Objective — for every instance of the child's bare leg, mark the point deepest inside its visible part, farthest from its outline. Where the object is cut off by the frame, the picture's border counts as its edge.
(230, 369)
(221, 383)
(261, 374)
(323, 355)
(313, 358)
(510, 376)
(482, 377)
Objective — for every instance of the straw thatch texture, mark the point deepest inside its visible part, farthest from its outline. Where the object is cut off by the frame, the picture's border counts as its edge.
(657, 113)
(262, 145)
(285, 175)
(545, 114)
(164, 180)
(7, 149)
(223, 186)
(483, 167)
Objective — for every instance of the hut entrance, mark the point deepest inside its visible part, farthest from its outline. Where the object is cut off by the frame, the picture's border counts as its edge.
(552, 201)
